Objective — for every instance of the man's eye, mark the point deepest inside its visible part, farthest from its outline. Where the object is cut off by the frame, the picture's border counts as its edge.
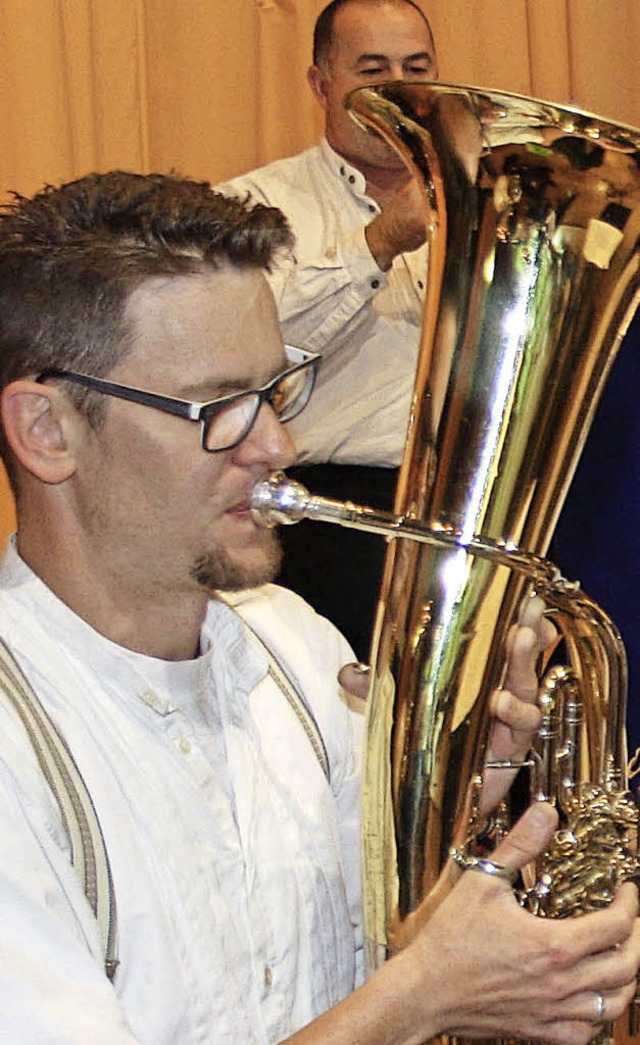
(373, 71)
(419, 70)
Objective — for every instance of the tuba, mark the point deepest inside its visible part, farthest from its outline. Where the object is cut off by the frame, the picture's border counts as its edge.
(533, 215)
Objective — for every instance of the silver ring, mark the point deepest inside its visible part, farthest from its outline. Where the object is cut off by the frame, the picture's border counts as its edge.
(476, 863)
(599, 1008)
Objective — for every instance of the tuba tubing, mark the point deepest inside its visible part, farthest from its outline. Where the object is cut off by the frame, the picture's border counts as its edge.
(532, 213)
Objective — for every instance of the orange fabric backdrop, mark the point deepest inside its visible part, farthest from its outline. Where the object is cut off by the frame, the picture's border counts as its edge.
(212, 88)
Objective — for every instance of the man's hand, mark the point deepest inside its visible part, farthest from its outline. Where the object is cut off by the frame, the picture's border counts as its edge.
(514, 707)
(507, 973)
(401, 226)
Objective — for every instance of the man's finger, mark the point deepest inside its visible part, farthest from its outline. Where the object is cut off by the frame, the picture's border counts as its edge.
(528, 838)
(531, 612)
(355, 679)
(514, 713)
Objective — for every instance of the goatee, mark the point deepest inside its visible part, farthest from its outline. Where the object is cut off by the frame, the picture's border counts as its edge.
(219, 571)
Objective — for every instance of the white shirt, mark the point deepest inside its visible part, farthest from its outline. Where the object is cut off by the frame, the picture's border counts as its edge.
(235, 863)
(335, 300)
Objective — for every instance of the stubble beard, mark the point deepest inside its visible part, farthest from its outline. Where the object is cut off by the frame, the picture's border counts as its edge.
(217, 570)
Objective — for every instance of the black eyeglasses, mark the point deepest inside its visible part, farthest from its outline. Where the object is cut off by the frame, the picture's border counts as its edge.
(226, 421)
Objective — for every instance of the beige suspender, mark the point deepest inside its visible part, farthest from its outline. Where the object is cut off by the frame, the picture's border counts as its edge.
(291, 690)
(88, 854)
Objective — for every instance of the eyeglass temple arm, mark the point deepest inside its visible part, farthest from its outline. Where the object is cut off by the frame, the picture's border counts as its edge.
(167, 404)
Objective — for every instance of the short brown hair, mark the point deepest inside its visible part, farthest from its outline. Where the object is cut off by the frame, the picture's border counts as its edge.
(71, 256)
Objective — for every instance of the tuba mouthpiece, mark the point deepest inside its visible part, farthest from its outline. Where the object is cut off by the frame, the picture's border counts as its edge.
(277, 500)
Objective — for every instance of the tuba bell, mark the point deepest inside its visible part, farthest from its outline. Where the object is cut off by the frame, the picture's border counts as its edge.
(533, 215)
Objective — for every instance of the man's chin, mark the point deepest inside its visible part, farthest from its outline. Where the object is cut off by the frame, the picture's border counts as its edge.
(221, 570)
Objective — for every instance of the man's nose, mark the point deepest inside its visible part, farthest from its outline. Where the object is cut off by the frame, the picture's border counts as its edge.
(268, 441)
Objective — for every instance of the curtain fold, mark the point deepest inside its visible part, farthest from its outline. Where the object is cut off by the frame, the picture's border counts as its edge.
(549, 50)
(289, 117)
(604, 57)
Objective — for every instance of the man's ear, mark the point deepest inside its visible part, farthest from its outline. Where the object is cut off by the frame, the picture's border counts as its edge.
(318, 83)
(37, 421)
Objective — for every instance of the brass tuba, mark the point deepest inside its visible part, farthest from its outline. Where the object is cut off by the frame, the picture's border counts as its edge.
(534, 227)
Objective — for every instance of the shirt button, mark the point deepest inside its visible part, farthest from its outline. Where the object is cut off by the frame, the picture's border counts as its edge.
(184, 745)
(375, 283)
(372, 208)
(150, 699)
(342, 171)
(268, 977)
(420, 284)
(352, 179)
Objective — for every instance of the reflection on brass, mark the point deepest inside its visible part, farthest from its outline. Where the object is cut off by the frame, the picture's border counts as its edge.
(533, 217)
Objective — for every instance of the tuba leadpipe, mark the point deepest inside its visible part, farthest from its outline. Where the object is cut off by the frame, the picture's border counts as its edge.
(281, 501)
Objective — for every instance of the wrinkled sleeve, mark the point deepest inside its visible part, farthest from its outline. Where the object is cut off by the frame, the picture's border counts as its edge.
(323, 290)
(322, 299)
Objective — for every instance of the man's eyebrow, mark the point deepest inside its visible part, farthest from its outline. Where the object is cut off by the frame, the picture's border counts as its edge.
(204, 390)
(371, 58)
(418, 56)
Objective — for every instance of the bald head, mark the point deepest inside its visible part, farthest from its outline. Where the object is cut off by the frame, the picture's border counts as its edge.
(324, 31)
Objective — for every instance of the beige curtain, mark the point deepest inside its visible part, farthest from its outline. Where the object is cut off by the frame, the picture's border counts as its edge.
(212, 87)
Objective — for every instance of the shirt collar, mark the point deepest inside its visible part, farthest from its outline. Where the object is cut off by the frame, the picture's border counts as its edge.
(150, 678)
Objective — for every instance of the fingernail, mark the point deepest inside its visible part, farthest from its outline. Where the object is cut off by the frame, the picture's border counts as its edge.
(364, 669)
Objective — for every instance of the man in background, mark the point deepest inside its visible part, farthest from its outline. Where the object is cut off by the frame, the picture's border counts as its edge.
(355, 293)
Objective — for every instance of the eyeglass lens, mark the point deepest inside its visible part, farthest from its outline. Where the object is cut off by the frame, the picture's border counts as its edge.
(229, 424)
